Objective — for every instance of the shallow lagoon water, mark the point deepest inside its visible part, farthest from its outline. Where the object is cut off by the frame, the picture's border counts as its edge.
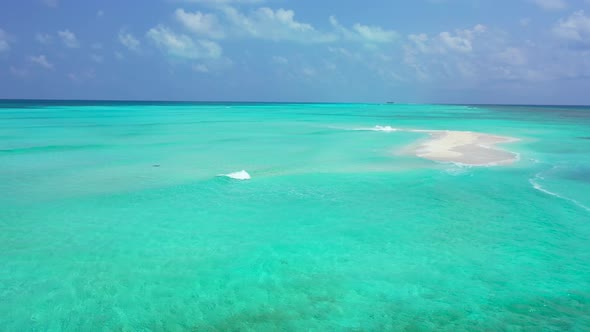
(112, 217)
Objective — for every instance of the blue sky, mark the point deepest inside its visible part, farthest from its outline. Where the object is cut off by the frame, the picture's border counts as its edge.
(448, 51)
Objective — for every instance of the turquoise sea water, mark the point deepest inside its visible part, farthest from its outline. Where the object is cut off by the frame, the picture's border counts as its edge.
(113, 218)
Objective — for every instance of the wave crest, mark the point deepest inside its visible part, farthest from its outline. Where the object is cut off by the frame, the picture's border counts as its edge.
(241, 175)
(379, 128)
(537, 186)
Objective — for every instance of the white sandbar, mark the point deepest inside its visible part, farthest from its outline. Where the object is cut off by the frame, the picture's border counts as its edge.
(465, 147)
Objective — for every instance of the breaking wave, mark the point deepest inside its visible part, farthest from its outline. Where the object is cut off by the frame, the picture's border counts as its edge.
(535, 183)
(379, 128)
(241, 175)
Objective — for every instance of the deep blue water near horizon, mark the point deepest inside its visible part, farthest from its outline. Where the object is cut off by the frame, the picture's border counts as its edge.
(113, 217)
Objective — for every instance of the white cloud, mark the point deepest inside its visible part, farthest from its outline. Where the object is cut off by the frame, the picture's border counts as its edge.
(330, 66)
(201, 68)
(308, 71)
(525, 22)
(85, 75)
(41, 60)
(129, 41)
(456, 43)
(100, 13)
(44, 38)
(364, 33)
(460, 41)
(19, 72)
(420, 41)
(375, 33)
(466, 53)
(96, 46)
(51, 3)
(97, 58)
(276, 25)
(491, 61)
(68, 38)
(183, 46)
(280, 60)
(575, 28)
(4, 45)
(345, 53)
(512, 56)
(224, 2)
(550, 4)
(200, 24)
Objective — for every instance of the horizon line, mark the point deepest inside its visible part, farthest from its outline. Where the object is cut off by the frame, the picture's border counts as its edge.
(275, 102)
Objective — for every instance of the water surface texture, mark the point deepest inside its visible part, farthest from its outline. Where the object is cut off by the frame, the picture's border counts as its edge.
(113, 217)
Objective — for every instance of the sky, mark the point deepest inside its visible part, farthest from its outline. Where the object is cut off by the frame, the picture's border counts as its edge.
(419, 51)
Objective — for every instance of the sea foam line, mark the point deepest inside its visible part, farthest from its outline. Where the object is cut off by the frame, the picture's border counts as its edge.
(540, 188)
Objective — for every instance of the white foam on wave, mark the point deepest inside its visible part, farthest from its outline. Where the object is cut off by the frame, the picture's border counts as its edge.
(379, 128)
(457, 169)
(466, 166)
(241, 175)
(535, 183)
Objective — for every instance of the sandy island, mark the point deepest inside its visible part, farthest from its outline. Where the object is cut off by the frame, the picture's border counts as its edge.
(465, 147)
